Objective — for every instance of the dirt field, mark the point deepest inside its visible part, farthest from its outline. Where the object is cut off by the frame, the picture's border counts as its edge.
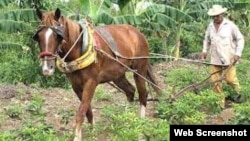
(57, 99)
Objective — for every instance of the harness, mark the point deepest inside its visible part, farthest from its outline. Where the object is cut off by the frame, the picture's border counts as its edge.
(87, 58)
(88, 52)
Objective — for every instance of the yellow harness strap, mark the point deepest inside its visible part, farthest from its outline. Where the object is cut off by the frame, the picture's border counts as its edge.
(85, 60)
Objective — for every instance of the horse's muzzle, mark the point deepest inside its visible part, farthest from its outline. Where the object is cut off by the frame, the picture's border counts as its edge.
(47, 73)
(48, 66)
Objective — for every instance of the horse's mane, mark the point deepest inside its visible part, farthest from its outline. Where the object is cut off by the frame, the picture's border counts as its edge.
(48, 18)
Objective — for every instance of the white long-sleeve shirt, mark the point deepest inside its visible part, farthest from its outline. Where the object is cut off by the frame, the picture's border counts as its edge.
(224, 43)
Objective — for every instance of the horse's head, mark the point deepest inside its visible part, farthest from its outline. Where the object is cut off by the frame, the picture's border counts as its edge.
(49, 36)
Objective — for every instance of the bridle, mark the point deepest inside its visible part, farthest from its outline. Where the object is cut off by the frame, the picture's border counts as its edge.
(88, 57)
(58, 29)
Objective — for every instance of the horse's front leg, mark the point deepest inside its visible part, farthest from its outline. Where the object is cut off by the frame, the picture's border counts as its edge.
(84, 108)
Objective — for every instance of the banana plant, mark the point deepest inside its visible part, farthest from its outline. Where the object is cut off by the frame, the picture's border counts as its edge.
(18, 21)
(94, 8)
(157, 19)
(197, 9)
(162, 18)
(15, 21)
(179, 28)
(153, 19)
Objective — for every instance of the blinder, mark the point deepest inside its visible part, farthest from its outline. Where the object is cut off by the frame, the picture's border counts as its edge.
(59, 30)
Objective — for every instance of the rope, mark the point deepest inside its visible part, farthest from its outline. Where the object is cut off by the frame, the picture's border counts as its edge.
(134, 71)
(73, 45)
(156, 56)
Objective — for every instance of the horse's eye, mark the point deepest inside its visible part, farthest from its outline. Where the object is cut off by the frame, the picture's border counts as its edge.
(35, 37)
(59, 38)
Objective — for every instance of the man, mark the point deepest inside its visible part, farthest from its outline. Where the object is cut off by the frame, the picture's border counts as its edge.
(224, 42)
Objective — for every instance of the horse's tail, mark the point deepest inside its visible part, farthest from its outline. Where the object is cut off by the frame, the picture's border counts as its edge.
(151, 78)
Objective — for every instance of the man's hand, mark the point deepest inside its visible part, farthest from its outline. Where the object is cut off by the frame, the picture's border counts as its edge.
(236, 58)
(203, 55)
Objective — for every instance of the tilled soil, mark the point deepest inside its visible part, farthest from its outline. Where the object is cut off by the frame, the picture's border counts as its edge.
(58, 99)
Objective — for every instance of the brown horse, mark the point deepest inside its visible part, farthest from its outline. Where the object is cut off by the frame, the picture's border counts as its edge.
(91, 55)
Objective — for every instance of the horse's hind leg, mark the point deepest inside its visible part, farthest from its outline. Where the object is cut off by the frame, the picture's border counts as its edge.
(141, 88)
(126, 86)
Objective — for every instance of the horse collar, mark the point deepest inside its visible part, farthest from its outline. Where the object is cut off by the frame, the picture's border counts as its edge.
(87, 58)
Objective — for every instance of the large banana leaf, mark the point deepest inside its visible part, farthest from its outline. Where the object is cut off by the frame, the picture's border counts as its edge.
(95, 7)
(14, 23)
(104, 18)
(165, 20)
(4, 3)
(199, 8)
(165, 15)
(129, 19)
(27, 15)
(5, 45)
(11, 26)
(171, 12)
(123, 3)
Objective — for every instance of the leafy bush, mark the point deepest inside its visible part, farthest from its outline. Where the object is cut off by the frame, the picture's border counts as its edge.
(242, 114)
(101, 95)
(19, 66)
(14, 111)
(126, 125)
(192, 40)
(122, 126)
(34, 106)
(66, 115)
(156, 130)
(188, 74)
(35, 132)
(33, 129)
(190, 108)
(158, 46)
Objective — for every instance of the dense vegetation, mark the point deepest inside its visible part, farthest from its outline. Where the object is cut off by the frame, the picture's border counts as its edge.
(173, 27)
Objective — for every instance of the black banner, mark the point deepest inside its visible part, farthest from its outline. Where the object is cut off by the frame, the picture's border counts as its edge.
(215, 132)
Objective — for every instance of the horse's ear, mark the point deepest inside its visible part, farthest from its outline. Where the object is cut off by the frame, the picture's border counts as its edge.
(57, 14)
(39, 13)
